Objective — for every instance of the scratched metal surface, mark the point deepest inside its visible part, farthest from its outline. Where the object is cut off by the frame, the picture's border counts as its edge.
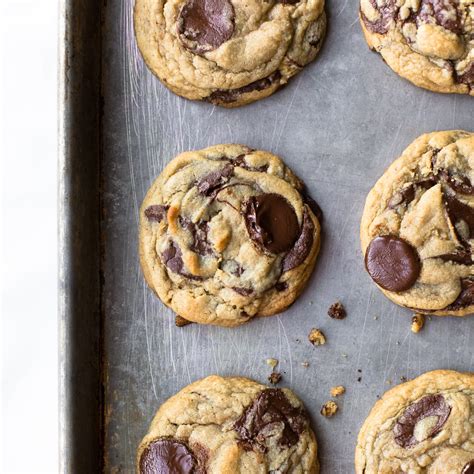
(338, 124)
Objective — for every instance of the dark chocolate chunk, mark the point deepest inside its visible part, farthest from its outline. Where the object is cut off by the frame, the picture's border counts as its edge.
(167, 456)
(227, 96)
(468, 468)
(281, 286)
(431, 405)
(241, 163)
(458, 211)
(156, 213)
(467, 77)
(392, 263)
(210, 183)
(204, 25)
(465, 298)
(388, 11)
(460, 184)
(173, 258)
(199, 232)
(302, 247)
(270, 415)
(242, 291)
(407, 194)
(462, 256)
(271, 222)
(444, 12)
(337, 311)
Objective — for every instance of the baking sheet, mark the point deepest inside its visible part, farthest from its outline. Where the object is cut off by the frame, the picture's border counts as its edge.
(338, 124)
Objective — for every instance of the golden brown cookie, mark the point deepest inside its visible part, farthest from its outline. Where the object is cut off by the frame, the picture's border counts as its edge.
(428, 42)
(422, 426)
(229, 426)
(417, 230)
(226, 234)
(228, 52)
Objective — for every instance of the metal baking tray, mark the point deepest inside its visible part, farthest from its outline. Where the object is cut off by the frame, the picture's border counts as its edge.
(338, 125)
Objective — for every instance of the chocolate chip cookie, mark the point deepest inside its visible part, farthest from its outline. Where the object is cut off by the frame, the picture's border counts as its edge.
(423, 426)
(417, 230)
(229, 425)
(428, 42)
(227, 234)
(228, 52)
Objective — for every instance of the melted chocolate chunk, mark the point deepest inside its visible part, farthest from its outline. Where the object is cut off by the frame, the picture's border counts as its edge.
(173, 258)
(392, 263)
(271, 222)
(241, 163)
(209, 184)
(458, 211)
(281, 286)
(204, 25)
(227, 96)
(467, 77)
(407, 194)
(156, 213)
(302, 247)
(444, 12)
(466, 297)
(431, 405)
(460, 184)
(388, 11)
(462, 256)
(199, 232)
(468, 468)
(270, 415)
(242, 291)
(167, 456)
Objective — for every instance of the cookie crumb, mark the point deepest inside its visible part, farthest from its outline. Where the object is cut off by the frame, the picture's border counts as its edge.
(403, 378)
(337, 311)
(375, 318)
(316, 337)
(181, 322)
(274, 378)
(417, 322)
(272, 362)
(305, 364)
(329, 409)
(344, 355)
(337, 390)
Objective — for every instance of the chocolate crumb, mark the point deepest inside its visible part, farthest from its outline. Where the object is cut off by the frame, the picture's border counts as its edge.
(316, 337)
(338, 390)
(274, 378)
(329, 409)
(403, 378)
(359, 379)
(417, 322)
(180, 321)
(337, 311)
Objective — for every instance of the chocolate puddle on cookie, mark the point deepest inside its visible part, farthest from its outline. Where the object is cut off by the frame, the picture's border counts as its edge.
(271, 415)
(167, 455)
(271, 222)
(432, 406)
(203, 25)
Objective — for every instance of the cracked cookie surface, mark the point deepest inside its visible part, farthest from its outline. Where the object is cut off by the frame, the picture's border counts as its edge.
(226, 234)
(428, 42)
(417, 229)
(229, 425)
(424, 426)
(228, 52)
